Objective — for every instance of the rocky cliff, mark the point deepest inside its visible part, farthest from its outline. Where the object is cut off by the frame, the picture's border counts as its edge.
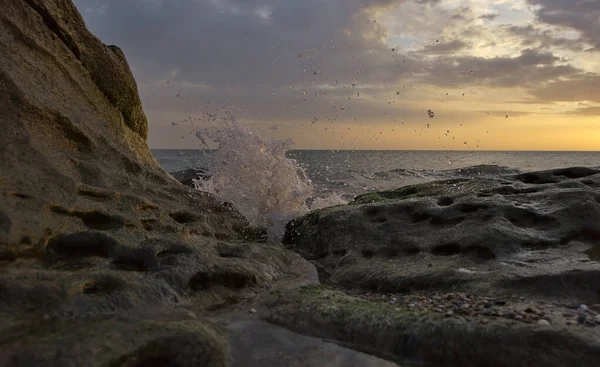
(102, 254)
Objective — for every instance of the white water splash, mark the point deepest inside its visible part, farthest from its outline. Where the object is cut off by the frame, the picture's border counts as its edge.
(254, 174)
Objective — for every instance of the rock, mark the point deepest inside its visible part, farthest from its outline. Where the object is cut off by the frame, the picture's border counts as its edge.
(188, 176)
(98, 245)
(396, 333)
(527, 234)
(116, 343)
(253, 310)
(543, 322)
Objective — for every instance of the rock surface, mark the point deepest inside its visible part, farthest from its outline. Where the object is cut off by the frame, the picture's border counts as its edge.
(255, 343)
(188, 176)
(462, 272)
(536, 233)
(397, 332)
(105, 259)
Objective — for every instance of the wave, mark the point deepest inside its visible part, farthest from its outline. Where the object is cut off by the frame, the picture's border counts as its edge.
(482, 170)
(255, 175)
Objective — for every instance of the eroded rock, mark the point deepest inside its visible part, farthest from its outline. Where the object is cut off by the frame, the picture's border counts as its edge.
(397, 332)
(535, 232)
(102, 253)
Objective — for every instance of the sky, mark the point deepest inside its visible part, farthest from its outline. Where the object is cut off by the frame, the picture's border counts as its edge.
(360, 74)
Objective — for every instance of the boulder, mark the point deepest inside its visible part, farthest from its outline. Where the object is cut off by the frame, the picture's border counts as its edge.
(460, 272)
(537, 233)
(103, 255)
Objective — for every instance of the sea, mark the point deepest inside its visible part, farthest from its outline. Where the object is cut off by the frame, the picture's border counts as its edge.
(349, 173)
(272, 186)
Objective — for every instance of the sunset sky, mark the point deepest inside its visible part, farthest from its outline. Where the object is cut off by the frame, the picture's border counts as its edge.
(350, 74)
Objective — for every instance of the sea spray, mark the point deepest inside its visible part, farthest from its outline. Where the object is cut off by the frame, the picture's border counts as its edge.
(255, 175)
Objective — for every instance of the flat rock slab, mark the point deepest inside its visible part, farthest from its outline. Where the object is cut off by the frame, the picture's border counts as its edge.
(255, 343)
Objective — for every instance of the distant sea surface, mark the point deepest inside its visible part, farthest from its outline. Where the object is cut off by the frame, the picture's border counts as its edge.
(350, 173)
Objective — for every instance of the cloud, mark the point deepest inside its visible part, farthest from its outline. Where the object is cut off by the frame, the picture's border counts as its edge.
(428, 2)
(585, 87)
(534, 36)
(587, 111)
(581, 15)
(529, 69)
(290, 61)
(445, 47)
(488, 16)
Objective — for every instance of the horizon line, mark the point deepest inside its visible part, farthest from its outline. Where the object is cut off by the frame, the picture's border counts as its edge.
(413, 150)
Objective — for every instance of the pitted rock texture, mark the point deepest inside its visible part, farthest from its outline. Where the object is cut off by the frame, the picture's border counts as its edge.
(102, 253)
(537, 232)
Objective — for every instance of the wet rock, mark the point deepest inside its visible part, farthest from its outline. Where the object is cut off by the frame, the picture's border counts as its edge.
(531, 235)
(188, 176)
(96, 240)
(398, 332)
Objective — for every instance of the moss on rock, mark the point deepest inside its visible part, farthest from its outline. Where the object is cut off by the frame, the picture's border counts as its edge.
(396, 333)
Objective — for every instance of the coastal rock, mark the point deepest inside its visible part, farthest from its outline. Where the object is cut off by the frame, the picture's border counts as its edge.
(102, 253)
(397, 333)
(536, 233)
(188, 176)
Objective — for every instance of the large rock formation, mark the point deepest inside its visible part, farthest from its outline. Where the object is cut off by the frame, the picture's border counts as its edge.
(521, 232)
(481, 269)
(103, 254)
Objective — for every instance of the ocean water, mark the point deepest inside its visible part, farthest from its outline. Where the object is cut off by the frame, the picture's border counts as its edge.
(270, 184)
(349, 173)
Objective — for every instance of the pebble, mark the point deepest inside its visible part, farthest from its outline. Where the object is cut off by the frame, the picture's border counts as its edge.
(464, 306)
(253, 310)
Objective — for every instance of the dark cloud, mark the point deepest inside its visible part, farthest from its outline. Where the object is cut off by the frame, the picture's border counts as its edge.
(246, 42)
(488, 16)
(428, 2)
(587, 111)
(532, 36)
(580, 15)
(444, 47)
(585, 87)
(529, 69)
(281, 60)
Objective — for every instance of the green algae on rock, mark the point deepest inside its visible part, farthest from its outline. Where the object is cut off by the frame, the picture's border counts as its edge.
(397, 333)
